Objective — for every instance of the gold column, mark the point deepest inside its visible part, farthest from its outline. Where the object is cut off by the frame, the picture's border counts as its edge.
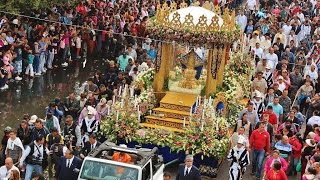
(224, 59)
(163, 72)
(211, 84)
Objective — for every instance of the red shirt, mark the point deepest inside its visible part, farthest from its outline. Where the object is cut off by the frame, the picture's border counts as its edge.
(260, 140)
(272, 117)
(81, 9)
(296, 147)
(280, 175)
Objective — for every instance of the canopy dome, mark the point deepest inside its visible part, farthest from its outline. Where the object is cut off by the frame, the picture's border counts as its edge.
(196, 12)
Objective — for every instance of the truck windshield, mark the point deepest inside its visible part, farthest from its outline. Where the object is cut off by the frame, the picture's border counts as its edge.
(94, 170)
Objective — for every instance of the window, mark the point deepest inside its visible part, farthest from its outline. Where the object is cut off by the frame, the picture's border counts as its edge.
(94, 170)
(146, 173)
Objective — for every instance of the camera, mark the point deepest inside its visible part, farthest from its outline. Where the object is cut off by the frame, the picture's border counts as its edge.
(68, 139)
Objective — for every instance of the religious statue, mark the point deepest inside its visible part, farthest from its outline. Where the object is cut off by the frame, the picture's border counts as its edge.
(188, 76)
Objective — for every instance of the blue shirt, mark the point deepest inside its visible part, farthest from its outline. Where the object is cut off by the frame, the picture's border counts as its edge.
(123, 62)
(277, 109)
(285, 149)
(152, 54)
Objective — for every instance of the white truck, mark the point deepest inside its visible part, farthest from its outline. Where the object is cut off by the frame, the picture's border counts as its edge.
(145, 164)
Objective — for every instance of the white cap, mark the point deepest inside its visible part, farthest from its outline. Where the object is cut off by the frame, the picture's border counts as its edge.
(258, 94)
(309, 142)
(33, 119)
(241, 140)
(15, 21)
(103, 100)
(91, 110)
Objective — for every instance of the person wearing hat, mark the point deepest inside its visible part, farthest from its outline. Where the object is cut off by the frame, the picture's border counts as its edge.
(258, 104)
(188, 171)
(239, 157)
(268, 75)
(262, 64)
(281, 83)
(307, 152)
(90, 124)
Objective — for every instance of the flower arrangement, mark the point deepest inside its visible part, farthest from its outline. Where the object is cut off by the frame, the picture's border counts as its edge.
(146, 101)
(121, 125)
(144, 79)
(195, 140)
(205, 140)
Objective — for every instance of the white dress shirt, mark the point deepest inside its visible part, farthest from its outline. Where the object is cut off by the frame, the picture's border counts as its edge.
(314, 120)
(187, 169)
(242, 21)
(35, 153)
(272, 60)
(258, 52)
(69, 162)
(286, 29)
(5, 173)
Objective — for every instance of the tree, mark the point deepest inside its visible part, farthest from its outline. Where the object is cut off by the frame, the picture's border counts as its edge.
(21, 6)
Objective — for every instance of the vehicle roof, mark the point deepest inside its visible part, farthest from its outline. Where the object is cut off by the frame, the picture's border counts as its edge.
(144, 153)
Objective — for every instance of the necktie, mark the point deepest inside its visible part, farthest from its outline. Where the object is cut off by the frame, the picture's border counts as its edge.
(187, 172)
(92, 146)
(68, 164)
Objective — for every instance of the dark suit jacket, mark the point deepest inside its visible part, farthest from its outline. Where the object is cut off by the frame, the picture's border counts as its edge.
(87, 148)
(194, 173)
(64, 172)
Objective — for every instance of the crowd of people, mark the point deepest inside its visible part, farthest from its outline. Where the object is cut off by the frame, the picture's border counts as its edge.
(32, 44)
(280, 125)
(66, 35)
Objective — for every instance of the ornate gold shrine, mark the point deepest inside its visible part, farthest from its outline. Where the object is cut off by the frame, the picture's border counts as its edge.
(185, 25)
(212, 29)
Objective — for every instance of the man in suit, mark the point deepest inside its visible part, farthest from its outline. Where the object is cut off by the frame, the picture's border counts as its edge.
(89, 146)
(187, 171)
(66, 167)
